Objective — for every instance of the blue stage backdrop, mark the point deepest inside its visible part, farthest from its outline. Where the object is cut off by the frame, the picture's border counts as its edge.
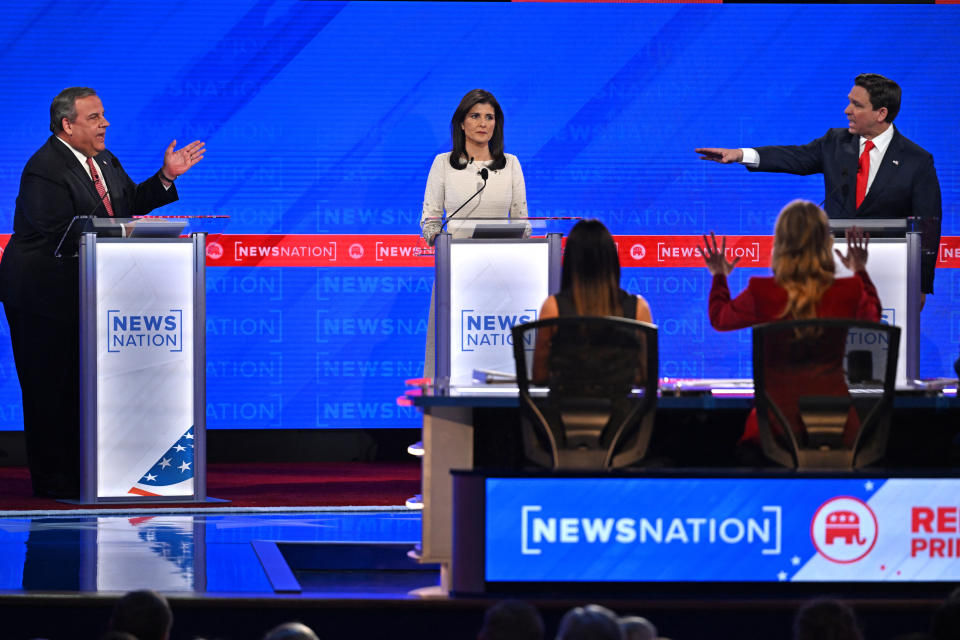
(324, 118)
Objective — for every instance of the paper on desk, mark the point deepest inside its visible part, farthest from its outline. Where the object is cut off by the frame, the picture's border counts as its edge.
(490, 376)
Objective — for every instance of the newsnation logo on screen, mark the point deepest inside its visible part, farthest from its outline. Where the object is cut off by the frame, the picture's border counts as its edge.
(740, 530)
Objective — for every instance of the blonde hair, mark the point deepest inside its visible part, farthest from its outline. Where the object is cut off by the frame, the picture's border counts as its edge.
(803, 258)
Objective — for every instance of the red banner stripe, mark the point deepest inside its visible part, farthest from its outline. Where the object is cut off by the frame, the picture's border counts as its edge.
(318, 251)
(329, 250)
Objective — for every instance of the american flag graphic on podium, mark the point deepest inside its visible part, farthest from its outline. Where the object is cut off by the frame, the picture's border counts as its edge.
(172, 473)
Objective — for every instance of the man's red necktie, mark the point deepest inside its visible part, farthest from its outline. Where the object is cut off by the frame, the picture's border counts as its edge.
(95, 175)
(863, 172)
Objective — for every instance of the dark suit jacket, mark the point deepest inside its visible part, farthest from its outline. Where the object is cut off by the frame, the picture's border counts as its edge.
(905, 185)
(54, 188)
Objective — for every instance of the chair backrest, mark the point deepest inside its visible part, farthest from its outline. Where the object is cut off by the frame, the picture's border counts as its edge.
(601, 373)
(824, 391)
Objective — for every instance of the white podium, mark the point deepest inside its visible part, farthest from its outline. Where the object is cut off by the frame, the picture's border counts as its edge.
(142, 368)
(483, 286)
(894, 267)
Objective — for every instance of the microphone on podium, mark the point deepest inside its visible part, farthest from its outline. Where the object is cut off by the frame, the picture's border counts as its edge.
(100, 200)
(843, 185)
(484, 174)
(58, 252)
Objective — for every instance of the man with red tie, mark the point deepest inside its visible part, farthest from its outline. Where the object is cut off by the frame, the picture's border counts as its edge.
(72, 174)
(870, 170)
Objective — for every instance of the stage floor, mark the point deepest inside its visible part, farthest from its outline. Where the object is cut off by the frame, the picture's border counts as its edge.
(343, 553)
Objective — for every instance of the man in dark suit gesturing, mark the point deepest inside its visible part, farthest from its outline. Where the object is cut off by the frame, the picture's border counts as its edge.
(870, 170)
(72, 174)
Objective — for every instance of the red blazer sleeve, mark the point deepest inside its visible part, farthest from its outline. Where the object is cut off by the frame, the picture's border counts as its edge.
(727, 314)
(869, 307)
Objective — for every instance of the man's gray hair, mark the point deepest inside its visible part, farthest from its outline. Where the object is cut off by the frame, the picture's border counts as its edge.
(65, 106)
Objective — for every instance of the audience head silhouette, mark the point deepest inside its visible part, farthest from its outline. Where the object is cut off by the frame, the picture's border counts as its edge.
(511, 620)
(291, 631)
(591, 269)
(637, 628)
(118, 635)
(946, 619)
(591, 622)
(143, 614)
(803, 261)
(826, 619)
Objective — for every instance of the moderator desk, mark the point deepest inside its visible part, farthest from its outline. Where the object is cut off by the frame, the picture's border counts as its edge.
(449, 434)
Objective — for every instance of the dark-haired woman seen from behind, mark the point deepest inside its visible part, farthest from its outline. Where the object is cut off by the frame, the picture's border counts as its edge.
(803, 286)
(590, 286)
(476, 130)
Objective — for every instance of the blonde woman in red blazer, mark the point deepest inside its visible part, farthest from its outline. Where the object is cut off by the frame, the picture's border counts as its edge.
(803, 285)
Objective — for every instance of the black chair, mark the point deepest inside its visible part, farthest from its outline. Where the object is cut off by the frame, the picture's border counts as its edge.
(602, 381)
(824, 391)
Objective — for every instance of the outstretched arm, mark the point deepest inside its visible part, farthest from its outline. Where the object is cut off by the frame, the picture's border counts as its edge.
(726, 314)
(723, 156)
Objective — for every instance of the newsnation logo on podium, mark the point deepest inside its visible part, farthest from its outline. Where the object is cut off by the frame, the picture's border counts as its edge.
(479, 329)
(722, 530)
(145, 331)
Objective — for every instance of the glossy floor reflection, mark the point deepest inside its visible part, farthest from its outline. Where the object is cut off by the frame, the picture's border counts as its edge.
(352, 554)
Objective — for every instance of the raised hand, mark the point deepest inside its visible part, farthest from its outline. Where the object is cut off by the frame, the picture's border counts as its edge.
(715, 257)
(857, 241)
(176, 163)
(723, 156)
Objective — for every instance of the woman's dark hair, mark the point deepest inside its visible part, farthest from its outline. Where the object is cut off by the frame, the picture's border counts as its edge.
(826, 619)
(458, 157)
(591, 270)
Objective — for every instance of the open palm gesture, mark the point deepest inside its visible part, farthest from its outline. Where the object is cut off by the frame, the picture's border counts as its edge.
(715, 256)
(857, 242)
(176, 163)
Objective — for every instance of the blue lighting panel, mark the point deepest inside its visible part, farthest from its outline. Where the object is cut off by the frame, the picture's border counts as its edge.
(324, 117)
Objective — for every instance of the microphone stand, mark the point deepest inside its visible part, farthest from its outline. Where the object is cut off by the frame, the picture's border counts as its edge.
(484, 174)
